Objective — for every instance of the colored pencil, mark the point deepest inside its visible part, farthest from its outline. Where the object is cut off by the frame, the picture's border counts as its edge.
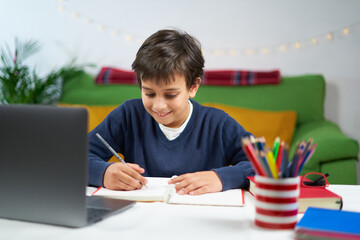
(271, 161)
(262, 158)
(279, 156)
(250, 152)
(276, 147)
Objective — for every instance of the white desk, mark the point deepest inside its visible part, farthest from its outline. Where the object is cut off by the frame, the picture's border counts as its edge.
(164, 221)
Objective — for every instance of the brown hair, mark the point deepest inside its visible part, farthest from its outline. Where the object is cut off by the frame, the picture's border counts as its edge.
(166, 53)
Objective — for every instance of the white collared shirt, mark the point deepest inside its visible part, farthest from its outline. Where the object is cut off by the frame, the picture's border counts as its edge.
(172, 133)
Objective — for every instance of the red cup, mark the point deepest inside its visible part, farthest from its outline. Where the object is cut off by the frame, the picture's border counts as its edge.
(276, 202)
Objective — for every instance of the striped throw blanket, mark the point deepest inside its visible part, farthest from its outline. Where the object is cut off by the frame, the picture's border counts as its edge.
(109, 75)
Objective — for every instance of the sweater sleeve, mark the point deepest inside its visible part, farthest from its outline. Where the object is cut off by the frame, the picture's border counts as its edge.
(112, 130)
(234, 175)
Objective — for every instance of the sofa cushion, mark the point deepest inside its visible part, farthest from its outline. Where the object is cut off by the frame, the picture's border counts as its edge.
(270, 124)
(257, 122)
(303, 94)
(332, 143)
(96, 114)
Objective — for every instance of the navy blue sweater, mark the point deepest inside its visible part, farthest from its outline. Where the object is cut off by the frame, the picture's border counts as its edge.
(210, 141)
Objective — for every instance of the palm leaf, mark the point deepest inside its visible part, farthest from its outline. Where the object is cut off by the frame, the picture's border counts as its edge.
(7, 56)
(24, 50)
(20, 85)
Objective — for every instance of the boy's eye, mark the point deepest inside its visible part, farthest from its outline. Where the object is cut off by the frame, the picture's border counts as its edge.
(150, 95)
(171, 96)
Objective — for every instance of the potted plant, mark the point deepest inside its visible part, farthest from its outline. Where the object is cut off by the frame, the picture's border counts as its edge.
(21, 85)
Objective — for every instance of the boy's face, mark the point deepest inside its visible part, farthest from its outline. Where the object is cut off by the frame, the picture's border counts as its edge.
(168, 104)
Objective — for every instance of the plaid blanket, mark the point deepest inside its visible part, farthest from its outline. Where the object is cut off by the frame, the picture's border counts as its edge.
(109, 75)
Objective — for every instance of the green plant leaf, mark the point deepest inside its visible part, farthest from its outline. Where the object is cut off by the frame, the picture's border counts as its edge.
(18, 84)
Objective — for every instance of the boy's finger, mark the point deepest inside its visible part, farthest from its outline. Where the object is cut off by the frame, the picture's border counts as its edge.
(135, 175)
(120, 185)
(199, 191)
(176, 179)
(136, 167)
(130, 181)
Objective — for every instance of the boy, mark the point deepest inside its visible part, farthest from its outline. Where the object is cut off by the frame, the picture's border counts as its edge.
(165, 133)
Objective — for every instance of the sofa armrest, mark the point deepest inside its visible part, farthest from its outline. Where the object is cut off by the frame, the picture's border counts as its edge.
(332, 144)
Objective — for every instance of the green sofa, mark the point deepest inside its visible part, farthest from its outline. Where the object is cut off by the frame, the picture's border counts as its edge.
(335, 154)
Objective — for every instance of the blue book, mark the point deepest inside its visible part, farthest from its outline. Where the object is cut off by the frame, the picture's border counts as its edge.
(321, 223)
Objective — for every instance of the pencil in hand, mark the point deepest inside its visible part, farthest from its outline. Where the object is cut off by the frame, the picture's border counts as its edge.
(114, 152)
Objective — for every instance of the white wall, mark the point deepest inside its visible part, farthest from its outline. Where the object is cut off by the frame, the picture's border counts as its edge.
(219, 25)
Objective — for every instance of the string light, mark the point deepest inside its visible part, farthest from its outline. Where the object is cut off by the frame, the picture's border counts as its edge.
(113, 33)
(87, 20)
(218, 53)
(265, 50)
(75, 15)
(250, 52)
(101, 27)
(127, 37)
(283, 47)
(329, 36)
(233, 53)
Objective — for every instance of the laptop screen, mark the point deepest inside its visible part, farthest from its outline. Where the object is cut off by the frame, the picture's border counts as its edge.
(43, 163)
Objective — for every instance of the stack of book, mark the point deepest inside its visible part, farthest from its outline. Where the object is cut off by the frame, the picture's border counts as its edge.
(320, 223)
(311, 197)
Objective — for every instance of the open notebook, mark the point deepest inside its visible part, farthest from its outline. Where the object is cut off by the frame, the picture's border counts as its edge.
(158, 189)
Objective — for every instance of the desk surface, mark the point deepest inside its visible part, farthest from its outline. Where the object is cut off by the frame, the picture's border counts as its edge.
(166, 221)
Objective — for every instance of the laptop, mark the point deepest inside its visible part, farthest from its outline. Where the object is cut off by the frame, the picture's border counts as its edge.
(44, 167)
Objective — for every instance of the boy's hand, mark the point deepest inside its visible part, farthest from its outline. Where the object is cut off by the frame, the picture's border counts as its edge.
(119, 176)
(197, 183)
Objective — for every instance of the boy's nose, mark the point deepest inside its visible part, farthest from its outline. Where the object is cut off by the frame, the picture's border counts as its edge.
(159, 104)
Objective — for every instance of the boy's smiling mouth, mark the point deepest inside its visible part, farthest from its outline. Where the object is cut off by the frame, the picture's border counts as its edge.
(161, 115)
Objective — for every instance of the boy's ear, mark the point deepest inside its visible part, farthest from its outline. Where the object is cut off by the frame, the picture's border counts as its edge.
(195, 87)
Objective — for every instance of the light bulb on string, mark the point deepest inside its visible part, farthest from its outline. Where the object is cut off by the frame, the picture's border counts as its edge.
(218, 53)
(113, 33)
(128, 38)
(329, 36)
(75, 15)
(101, 27)
(266, 50)
(87, 20)
(233, 53)
(250, 52)
(283, 47)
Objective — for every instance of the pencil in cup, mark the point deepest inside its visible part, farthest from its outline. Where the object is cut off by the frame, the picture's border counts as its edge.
(113, 151)
(260, 162)
(265, 164)
(251, 155)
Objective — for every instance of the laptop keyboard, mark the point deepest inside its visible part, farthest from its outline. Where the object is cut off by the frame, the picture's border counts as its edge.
(96, 214)
(95, 211)
(99, 208)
